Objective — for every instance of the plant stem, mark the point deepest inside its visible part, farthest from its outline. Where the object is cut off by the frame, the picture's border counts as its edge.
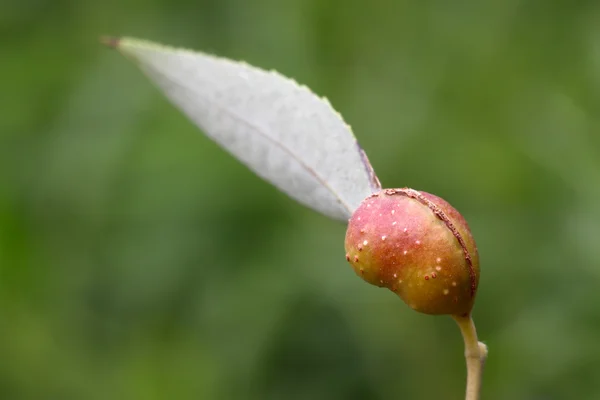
(475, 355)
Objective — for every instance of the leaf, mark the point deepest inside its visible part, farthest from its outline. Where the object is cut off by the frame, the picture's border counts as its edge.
(279, 129)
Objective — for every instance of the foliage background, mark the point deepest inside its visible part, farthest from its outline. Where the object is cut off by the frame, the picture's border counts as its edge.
(139, 261)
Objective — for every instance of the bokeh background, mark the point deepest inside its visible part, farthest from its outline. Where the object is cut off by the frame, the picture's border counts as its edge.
(140, 261)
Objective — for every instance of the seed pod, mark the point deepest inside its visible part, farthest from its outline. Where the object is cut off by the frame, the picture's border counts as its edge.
(418, 246)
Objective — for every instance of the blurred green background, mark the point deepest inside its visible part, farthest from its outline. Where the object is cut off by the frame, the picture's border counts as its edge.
(140, 261)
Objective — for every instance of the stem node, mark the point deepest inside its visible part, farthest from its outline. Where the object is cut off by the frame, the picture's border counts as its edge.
(475, 355)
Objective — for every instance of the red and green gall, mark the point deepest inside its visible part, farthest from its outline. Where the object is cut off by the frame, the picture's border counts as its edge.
(418, 246)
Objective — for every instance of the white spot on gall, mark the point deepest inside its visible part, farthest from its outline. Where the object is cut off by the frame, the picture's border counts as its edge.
(394, 223)
(395, 275)
(405, 252)
(418, 242)
(446, 291)
(438, 268)
(393, 212)
(405, 230)
(438, 260)
(366, 242)
(454, 283)
(383, 237)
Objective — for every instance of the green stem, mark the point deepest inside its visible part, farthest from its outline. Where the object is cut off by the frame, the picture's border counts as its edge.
(475, 355)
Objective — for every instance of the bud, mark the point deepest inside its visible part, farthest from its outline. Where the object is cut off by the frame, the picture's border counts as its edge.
(418, 246)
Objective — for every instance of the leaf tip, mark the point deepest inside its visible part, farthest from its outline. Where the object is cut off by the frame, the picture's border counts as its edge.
(110, 41)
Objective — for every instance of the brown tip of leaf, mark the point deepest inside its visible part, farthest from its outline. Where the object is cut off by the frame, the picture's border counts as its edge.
(110, 41)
